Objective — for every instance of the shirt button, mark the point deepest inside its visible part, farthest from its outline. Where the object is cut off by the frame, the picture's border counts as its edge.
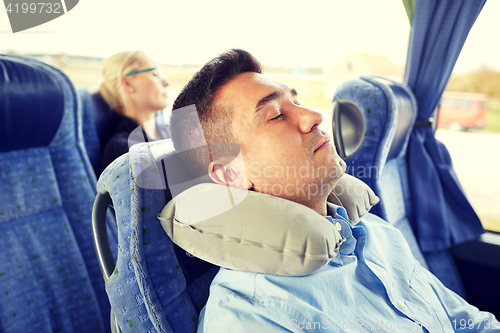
(339, 227)
(402, 304)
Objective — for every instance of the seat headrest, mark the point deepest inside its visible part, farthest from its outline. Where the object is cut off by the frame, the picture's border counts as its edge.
(389, 109)
(156, 165)
(406, 106)
(105, 118)
(348, 127)
(32, 103)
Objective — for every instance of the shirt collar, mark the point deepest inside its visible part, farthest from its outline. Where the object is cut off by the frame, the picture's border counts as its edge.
(338, 216)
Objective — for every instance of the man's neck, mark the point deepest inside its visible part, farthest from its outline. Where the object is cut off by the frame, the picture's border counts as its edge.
(320, 208)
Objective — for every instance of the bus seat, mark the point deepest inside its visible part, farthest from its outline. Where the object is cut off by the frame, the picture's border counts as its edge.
(100, 122)
(49, 276)
(390, 112)
(155, 285)
(99, 125)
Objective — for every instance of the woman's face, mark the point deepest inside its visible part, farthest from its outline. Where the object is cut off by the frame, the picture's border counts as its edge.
(149, 90)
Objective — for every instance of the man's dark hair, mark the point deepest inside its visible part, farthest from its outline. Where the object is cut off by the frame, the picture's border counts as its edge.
(215, 118)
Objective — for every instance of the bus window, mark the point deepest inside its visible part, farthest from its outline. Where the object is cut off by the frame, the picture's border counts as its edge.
(472, 101)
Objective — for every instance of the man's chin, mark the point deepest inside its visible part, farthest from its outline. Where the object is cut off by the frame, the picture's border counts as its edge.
(340, 168)
(339, 163)
(343, 165)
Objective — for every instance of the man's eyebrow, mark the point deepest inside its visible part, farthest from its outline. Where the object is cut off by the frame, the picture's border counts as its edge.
(272, 96)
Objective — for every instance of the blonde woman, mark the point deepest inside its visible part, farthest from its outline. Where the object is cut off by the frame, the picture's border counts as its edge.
(135, 87)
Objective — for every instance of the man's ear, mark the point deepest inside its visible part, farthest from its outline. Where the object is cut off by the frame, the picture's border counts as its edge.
(229, 174)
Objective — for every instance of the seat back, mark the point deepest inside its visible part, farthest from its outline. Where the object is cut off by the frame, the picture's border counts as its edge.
(155, 285)
(100, 122)
(390, 111)
(99, 125)
(49, 274)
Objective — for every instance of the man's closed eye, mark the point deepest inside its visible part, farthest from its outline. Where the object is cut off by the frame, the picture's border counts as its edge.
(277, 117)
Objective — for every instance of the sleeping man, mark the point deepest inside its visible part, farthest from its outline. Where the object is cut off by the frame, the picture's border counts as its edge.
(373, 283)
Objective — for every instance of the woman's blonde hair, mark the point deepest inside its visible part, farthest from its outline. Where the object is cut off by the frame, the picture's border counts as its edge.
(113, 69)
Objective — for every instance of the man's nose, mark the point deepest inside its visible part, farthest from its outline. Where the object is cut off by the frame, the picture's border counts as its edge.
(165, 82)
(309, 119)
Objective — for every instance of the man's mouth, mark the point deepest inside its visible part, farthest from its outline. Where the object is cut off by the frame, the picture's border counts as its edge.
(323, 142)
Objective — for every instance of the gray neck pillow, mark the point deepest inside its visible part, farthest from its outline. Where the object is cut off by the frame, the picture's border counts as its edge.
(250, 231)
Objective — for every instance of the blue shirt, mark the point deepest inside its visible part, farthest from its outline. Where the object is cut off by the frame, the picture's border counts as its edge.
(373, 284)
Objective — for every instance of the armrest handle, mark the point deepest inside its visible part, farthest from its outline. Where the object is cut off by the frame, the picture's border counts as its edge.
(101, 240)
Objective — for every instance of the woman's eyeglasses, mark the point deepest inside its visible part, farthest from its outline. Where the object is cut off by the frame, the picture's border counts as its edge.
(156, 71)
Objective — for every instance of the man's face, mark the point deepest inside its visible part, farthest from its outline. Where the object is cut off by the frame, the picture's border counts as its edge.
(284, 152)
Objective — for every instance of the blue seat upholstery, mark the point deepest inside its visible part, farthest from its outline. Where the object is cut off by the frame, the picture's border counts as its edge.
(99, 125)
(390, 112)
(155, 286)
(49, 275)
